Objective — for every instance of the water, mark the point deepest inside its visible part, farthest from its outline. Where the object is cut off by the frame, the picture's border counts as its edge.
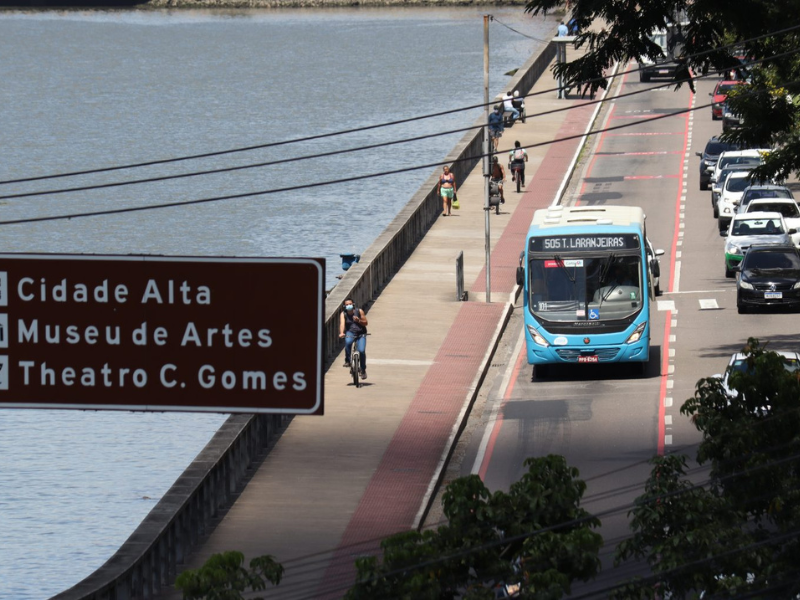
(97, 89)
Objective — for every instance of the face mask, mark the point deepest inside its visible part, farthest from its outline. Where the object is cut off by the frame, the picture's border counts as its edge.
(348, 307)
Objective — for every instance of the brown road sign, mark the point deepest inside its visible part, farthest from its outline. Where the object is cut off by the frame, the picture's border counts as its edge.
(162, 333)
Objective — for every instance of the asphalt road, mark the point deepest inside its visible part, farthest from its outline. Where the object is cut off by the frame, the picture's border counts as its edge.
(607, 421)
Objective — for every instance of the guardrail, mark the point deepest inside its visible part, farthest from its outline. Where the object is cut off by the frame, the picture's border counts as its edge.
(148, 560)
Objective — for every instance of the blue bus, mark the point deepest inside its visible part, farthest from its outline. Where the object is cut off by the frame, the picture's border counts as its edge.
(587, 282)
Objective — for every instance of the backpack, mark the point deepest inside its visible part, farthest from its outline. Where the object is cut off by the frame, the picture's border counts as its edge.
(519, 154)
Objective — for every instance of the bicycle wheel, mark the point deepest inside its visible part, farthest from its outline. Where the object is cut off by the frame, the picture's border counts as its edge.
(355, 367)
(519, 181)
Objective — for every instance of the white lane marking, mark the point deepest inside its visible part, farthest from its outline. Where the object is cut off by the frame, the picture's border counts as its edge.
(400, 362)
(670, 383)
(487, 433)
(665, 304)
(676, 286)
(668, 440)
(672, 352)
(672, 337)
(667, 419)
(667, 401)
(670, 369)
(674, 323)
(701, 291)
(708, 303)
(678, 254)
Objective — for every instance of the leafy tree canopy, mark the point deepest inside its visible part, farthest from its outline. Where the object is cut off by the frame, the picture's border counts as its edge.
(715, 33)
(535, 535)
(223, 577)
(733, 531)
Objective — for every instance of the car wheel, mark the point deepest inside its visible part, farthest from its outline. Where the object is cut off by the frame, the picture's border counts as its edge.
(728, 272)
(644, 77)
(742, 309)
(540, 372)
(716, 212)
(658, 290)
(703, 186)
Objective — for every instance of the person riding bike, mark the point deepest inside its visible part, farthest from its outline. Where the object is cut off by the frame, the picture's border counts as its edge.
(516, 163)
(498, 176)
(352, 325)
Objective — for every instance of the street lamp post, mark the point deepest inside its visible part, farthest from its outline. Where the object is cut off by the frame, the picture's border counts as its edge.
(486, 161)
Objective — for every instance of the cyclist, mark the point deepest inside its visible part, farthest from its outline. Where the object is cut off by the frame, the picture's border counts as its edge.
(498, 176)
(516, 163)
(352, 325)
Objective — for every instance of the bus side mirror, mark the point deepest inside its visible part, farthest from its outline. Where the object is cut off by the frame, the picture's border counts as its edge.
(659, 252)
(520, 275)
(655, 268)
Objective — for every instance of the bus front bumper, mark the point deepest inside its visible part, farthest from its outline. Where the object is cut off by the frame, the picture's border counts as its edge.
(577, 350)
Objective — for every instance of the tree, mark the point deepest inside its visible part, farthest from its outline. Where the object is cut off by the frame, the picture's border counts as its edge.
(715, 33)
(738, 532)
(535, 535)
(223, 577)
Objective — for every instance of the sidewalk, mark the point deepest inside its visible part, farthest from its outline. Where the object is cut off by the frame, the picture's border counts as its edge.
(333, 486)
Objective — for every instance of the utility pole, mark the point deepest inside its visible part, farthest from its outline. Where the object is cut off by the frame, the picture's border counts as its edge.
(486, 158)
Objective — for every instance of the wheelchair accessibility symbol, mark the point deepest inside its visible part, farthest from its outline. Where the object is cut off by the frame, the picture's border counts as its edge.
(594, 314)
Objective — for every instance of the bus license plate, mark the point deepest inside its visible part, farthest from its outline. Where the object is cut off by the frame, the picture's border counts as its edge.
(773, 295)
(588, 359)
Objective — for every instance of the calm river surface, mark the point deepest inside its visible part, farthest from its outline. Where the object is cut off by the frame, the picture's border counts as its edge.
(84, 90)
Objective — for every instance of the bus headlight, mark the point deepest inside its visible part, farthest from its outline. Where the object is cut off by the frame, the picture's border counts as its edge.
(637, 333)
(537, 337)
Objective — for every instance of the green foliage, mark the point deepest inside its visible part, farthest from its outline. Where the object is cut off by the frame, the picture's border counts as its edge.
(769, 104)
(223, 577)
(738, 531)
(535, 535)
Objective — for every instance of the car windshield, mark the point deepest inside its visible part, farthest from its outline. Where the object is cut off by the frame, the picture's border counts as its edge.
(586, 289)
(787, 209)
(757, 227)
(765, 260)
(717, 148)
(738, 160)
(724, 88)
(774, 193)
(790, 364)
(737, 184)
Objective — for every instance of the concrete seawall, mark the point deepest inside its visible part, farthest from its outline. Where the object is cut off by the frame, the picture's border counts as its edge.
(147, 561)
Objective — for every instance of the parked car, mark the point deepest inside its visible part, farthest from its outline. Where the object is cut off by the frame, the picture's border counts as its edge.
(730, 119)
(769, 190)
(709, 156)
(719, 185)
(719, 95)
(753, 229)
(750, 157)
(730, 196)
(738, 362)
(786, 206)
(769, 276)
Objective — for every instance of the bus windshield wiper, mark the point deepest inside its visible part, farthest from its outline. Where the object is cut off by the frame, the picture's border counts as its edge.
(563, 268)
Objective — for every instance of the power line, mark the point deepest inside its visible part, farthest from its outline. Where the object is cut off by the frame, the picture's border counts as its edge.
(364, 128)
(347, 150)
(476, 157)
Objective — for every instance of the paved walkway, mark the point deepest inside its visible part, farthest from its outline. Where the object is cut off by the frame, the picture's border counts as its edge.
(333, 486)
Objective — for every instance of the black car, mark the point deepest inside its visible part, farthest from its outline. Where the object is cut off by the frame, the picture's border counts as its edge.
(768, 276)
(709, 156)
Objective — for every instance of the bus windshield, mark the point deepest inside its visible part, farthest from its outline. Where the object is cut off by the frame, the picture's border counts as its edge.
(601, 288)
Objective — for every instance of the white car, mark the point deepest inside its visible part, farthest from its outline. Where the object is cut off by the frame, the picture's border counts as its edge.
(753, 229)
(786, 206)
(729, 197)
(732, 157)
(738, 362)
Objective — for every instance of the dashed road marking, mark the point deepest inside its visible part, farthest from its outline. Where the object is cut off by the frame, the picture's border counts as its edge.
(708, 304)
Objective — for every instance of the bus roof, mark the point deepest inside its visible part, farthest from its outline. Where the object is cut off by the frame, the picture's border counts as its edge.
(585, 217)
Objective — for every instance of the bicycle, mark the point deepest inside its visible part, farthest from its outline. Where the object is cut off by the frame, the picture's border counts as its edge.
(517, 169)
(355, 360)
